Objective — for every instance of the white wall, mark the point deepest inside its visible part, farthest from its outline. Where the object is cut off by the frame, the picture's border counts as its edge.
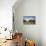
(6, 13)
(31, 8)
(43, 22)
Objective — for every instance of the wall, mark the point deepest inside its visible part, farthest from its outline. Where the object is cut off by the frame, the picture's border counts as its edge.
(6, 16)
(29, 8)
(43, 22)
(6, 13)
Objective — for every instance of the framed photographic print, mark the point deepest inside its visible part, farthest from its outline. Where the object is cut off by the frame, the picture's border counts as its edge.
(29, 19)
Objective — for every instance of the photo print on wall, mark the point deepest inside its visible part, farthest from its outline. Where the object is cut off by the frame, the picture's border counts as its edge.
(29, 20)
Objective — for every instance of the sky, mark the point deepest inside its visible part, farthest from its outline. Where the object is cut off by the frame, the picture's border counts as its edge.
(29, 17)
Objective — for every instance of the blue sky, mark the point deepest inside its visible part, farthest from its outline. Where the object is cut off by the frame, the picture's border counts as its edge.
(29, 17)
